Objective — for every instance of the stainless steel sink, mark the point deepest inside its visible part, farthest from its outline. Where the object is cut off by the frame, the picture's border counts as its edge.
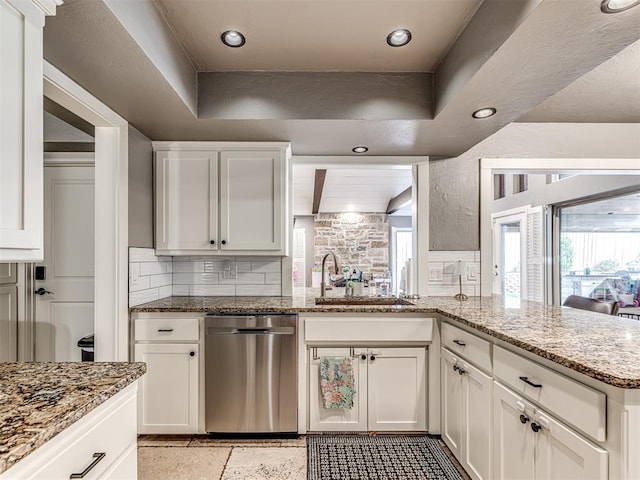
(361, 301)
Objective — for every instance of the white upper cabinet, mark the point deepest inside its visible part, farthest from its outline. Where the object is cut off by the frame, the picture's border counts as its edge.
(21, 126)
(186, 201)
(251, 203)
(222, 198)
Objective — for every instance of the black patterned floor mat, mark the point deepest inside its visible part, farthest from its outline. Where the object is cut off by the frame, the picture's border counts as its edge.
(382, 457)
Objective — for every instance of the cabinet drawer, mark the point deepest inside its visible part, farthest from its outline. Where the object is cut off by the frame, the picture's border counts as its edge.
(571, 401)
(340, 330)
(167, 329)
(109, 429)
(467, 345)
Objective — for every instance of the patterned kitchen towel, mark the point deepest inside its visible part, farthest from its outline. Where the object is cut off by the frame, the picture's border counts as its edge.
(336, 382)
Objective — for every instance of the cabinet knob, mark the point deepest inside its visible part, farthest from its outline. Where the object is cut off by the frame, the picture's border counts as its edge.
(535, 427)
(212, 242)
(373, 357)
(363, 357)
(524, 419)
(192, 354)
(224, 242)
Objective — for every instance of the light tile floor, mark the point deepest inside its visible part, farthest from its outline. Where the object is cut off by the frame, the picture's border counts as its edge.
(185, 457)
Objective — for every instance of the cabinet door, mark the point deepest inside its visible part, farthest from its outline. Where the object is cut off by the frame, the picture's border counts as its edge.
(21, 110)
(168, 397)
(397, 389)
(8, 323)
(513, 450)
(186, 201)
(337, 419)
(477, 437)
(252, 200)
(452, 422)
(561, 454)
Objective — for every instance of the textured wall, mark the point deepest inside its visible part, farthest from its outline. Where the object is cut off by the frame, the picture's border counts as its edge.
(140, 190)
(360, 240)
(454, 204)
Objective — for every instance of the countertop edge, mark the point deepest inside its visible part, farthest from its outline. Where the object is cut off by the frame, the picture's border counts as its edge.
(23, 450)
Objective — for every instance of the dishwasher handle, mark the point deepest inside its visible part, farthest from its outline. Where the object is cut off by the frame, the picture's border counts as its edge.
(251, 331)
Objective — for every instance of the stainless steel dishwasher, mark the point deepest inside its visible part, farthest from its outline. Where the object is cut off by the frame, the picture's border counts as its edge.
(250, 373)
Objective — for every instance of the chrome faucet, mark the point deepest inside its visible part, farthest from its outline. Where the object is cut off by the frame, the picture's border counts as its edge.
(335, 267)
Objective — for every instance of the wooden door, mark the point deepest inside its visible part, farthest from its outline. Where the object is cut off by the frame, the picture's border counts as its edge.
(251, 200)
(186, 192)
(66, 314)
(397, 389)
(168, 395)
(513, 451)
(562, 454)
(337, 419)
(477, 427)
(452, 421)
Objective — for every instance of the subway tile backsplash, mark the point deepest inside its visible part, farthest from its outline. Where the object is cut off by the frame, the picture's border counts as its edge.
(152, 278)
(440, 274)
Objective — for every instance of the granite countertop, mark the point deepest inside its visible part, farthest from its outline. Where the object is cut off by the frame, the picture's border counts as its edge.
(39, 400)
(600, 346)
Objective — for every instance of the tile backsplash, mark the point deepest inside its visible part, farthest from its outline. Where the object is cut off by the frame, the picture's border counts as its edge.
(152, 278)
(440, 275)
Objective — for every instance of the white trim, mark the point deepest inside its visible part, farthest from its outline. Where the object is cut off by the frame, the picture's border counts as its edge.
(420, 226)
(48, 7)
(196, 146)
(111, 163)
(59, 159)
(598, 166)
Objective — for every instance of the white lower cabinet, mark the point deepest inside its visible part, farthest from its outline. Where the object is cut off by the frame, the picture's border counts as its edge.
(466, 414)
(168, 400)
(101, 445)
(529, 444)
(390, 393)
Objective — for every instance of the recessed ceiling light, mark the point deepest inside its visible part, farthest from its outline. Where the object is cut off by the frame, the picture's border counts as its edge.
(233, 39)
(360, 149)
(615, 6)
(399, 38)
(484, 113)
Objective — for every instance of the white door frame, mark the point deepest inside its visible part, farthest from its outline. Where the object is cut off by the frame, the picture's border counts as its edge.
(517, 215)
(489, 166)
(111, 212)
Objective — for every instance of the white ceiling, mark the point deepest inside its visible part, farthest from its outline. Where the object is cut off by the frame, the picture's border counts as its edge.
(317, 35)
(356, 189)
(531, 59)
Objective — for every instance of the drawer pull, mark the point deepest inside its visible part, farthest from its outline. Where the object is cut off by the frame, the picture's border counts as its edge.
(535, 427)
(529, 382)
(459, 342)
(162, 330)
(524, 419)
(96, 459)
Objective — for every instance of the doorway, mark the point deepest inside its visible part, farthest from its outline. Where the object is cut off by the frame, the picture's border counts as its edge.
(64, 281)
(509, 263)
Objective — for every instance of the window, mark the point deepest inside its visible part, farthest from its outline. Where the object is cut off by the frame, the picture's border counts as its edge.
(599, 249)
(498, 186)
(401, 247)
(520, 183)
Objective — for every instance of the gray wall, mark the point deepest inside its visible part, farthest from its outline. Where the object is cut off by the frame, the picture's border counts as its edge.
(140, 190)
(454, 204)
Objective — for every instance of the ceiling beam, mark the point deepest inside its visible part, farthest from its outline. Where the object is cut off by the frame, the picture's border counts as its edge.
(399, 201)
(321, 174)
(68, 117)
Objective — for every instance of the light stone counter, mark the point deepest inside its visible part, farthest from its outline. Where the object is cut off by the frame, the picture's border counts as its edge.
(604, 347)
(39, 400)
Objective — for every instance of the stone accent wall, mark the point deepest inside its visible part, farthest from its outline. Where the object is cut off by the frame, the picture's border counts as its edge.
(360, 240)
